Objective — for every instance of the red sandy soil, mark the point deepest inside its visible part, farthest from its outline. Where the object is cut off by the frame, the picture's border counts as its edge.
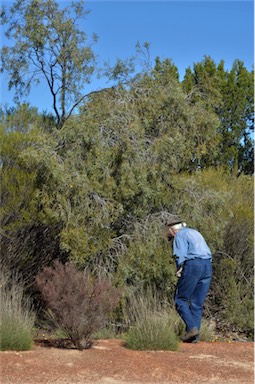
(109, 362)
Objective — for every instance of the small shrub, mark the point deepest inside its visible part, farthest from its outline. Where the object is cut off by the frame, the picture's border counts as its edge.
(79, 303)
(154, 333)
(16, 319)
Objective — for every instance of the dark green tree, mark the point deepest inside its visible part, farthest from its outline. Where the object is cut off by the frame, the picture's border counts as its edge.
(237, 118)
(230, 95)
(165, 70)
(203, 83)
(46, 43)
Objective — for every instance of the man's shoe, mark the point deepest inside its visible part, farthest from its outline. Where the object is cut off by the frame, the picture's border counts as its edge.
(195, 340)
(191, 335)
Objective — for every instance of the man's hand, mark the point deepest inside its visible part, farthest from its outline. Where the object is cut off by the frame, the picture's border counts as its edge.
(179, 272)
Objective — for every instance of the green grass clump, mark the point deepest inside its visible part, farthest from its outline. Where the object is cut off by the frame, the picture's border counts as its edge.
(15, 335)
(154, 333)
(152, 324)
(16, 319)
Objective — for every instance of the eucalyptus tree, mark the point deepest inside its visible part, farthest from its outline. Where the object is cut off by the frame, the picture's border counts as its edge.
(46, 43)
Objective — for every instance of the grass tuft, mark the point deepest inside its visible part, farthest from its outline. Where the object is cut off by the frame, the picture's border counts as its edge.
(16, 319)
(152, 323)
(153, 333)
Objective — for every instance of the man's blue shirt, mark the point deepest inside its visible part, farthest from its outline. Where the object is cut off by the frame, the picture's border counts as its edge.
(190, 244)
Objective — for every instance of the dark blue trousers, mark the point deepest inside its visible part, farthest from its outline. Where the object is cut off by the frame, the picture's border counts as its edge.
(191, 291)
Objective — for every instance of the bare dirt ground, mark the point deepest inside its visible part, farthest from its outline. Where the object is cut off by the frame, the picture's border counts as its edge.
(109, 362)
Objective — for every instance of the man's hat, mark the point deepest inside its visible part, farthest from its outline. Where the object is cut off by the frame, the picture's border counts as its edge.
(171, 222)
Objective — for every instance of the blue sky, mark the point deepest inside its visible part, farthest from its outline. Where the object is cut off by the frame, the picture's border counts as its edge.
(183, 31)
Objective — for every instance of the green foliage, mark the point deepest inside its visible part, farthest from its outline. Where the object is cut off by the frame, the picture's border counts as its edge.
(231, 96)
(181, 134)
(153, 324)
(237, 118)
(17, 318)
(239, 235)
(27, 242)
(202, 200)
(17, 189)
(15, 334)
(165, 70)
(53, 49)
(16, 182)
(147, 260)
(24, 118)
(235, 304)
(234, 264)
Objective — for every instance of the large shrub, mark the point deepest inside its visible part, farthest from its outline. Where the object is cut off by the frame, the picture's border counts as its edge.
(79, 303)
(233, 283)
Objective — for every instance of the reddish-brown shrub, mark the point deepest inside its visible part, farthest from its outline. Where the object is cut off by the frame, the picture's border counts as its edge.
(79, 303)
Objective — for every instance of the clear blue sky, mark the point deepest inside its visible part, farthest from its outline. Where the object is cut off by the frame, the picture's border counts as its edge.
(183, 31)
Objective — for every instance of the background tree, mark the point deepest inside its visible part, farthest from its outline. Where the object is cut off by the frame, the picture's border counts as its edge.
(237, 118)
(24, 118)
(165, 70)
(48, 44)
(202, 83)
(230, 95)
